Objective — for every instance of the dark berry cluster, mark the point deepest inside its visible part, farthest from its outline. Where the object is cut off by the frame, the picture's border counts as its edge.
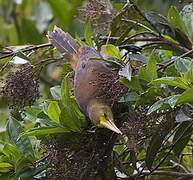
(22, 87)
(109, 87)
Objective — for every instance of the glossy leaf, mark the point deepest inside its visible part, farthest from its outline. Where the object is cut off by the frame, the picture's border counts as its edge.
(31, 113)
(157, 139)
(149, 72)
(187, 17)
(111, 51)
(43, 131)
(30, 173)
(55, 92)
(182, 136)
(133, 96)
(171, 101)
(133, 84)
(186, 96)
(151, 67)
(183, 65)
(5, 167)
(65, 91)
(172, 81)
(126, 72)
(44, 119)
(69, 119)
(24, 145)
(54, 111)
(160, 23)
(175, 18)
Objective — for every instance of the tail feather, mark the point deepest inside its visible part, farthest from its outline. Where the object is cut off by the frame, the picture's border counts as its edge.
(63, 42)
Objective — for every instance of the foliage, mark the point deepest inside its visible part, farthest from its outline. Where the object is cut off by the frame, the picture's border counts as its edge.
(47, 136)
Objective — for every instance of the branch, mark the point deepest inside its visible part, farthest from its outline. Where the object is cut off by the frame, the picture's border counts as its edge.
(168, 173)
(139, 24)
(34, 47)
(174, 59)
(142, 14)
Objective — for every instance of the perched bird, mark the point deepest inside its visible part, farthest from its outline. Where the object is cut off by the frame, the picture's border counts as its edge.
(96, 84)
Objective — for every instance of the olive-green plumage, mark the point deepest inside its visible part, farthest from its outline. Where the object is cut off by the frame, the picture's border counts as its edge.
(96, 85)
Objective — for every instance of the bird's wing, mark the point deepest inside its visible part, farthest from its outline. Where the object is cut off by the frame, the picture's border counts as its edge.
(65, 44)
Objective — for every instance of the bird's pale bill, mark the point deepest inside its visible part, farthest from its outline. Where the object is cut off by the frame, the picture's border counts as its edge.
(109, 125)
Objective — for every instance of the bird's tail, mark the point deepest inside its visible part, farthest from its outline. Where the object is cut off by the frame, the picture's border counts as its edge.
(65, 44)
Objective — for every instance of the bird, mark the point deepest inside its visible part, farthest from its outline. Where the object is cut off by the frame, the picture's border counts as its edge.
(96, 85)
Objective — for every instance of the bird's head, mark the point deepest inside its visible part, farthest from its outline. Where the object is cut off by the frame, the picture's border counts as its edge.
(102, 116)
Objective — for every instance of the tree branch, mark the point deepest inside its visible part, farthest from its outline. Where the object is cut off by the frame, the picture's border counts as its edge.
(174, 59)
(34, 47)
(168, 173)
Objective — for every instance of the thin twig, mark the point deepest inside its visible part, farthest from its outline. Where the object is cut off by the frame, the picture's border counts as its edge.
(168, 173)
(174, 59)
(142, 14)
(139, 24)
(34, 47)
(137, 34)
(42, 159)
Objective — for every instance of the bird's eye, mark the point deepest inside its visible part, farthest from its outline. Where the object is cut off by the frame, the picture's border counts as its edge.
(105, 115)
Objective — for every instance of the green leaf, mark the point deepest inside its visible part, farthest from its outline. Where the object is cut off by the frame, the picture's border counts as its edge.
(182, 136)
(65, 91)
(54, 111)
(132, 96)
(111, 51)
(11, 152)
(160, 23)
(87, 33)
(176, 20)
(30, 173)
(43, 118)
(151, 67)
(4, 60)
(31, 113)
(186, 96)
(69, 119)
(171, 101)
(5, 167)
(187, 17)
(172, 81)
(80, 116)
(133, 84)
(183, 65)
(188, 76)
(44, 131)
(149, 96)
(55, 92)
(24, 145)
(157, 139)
